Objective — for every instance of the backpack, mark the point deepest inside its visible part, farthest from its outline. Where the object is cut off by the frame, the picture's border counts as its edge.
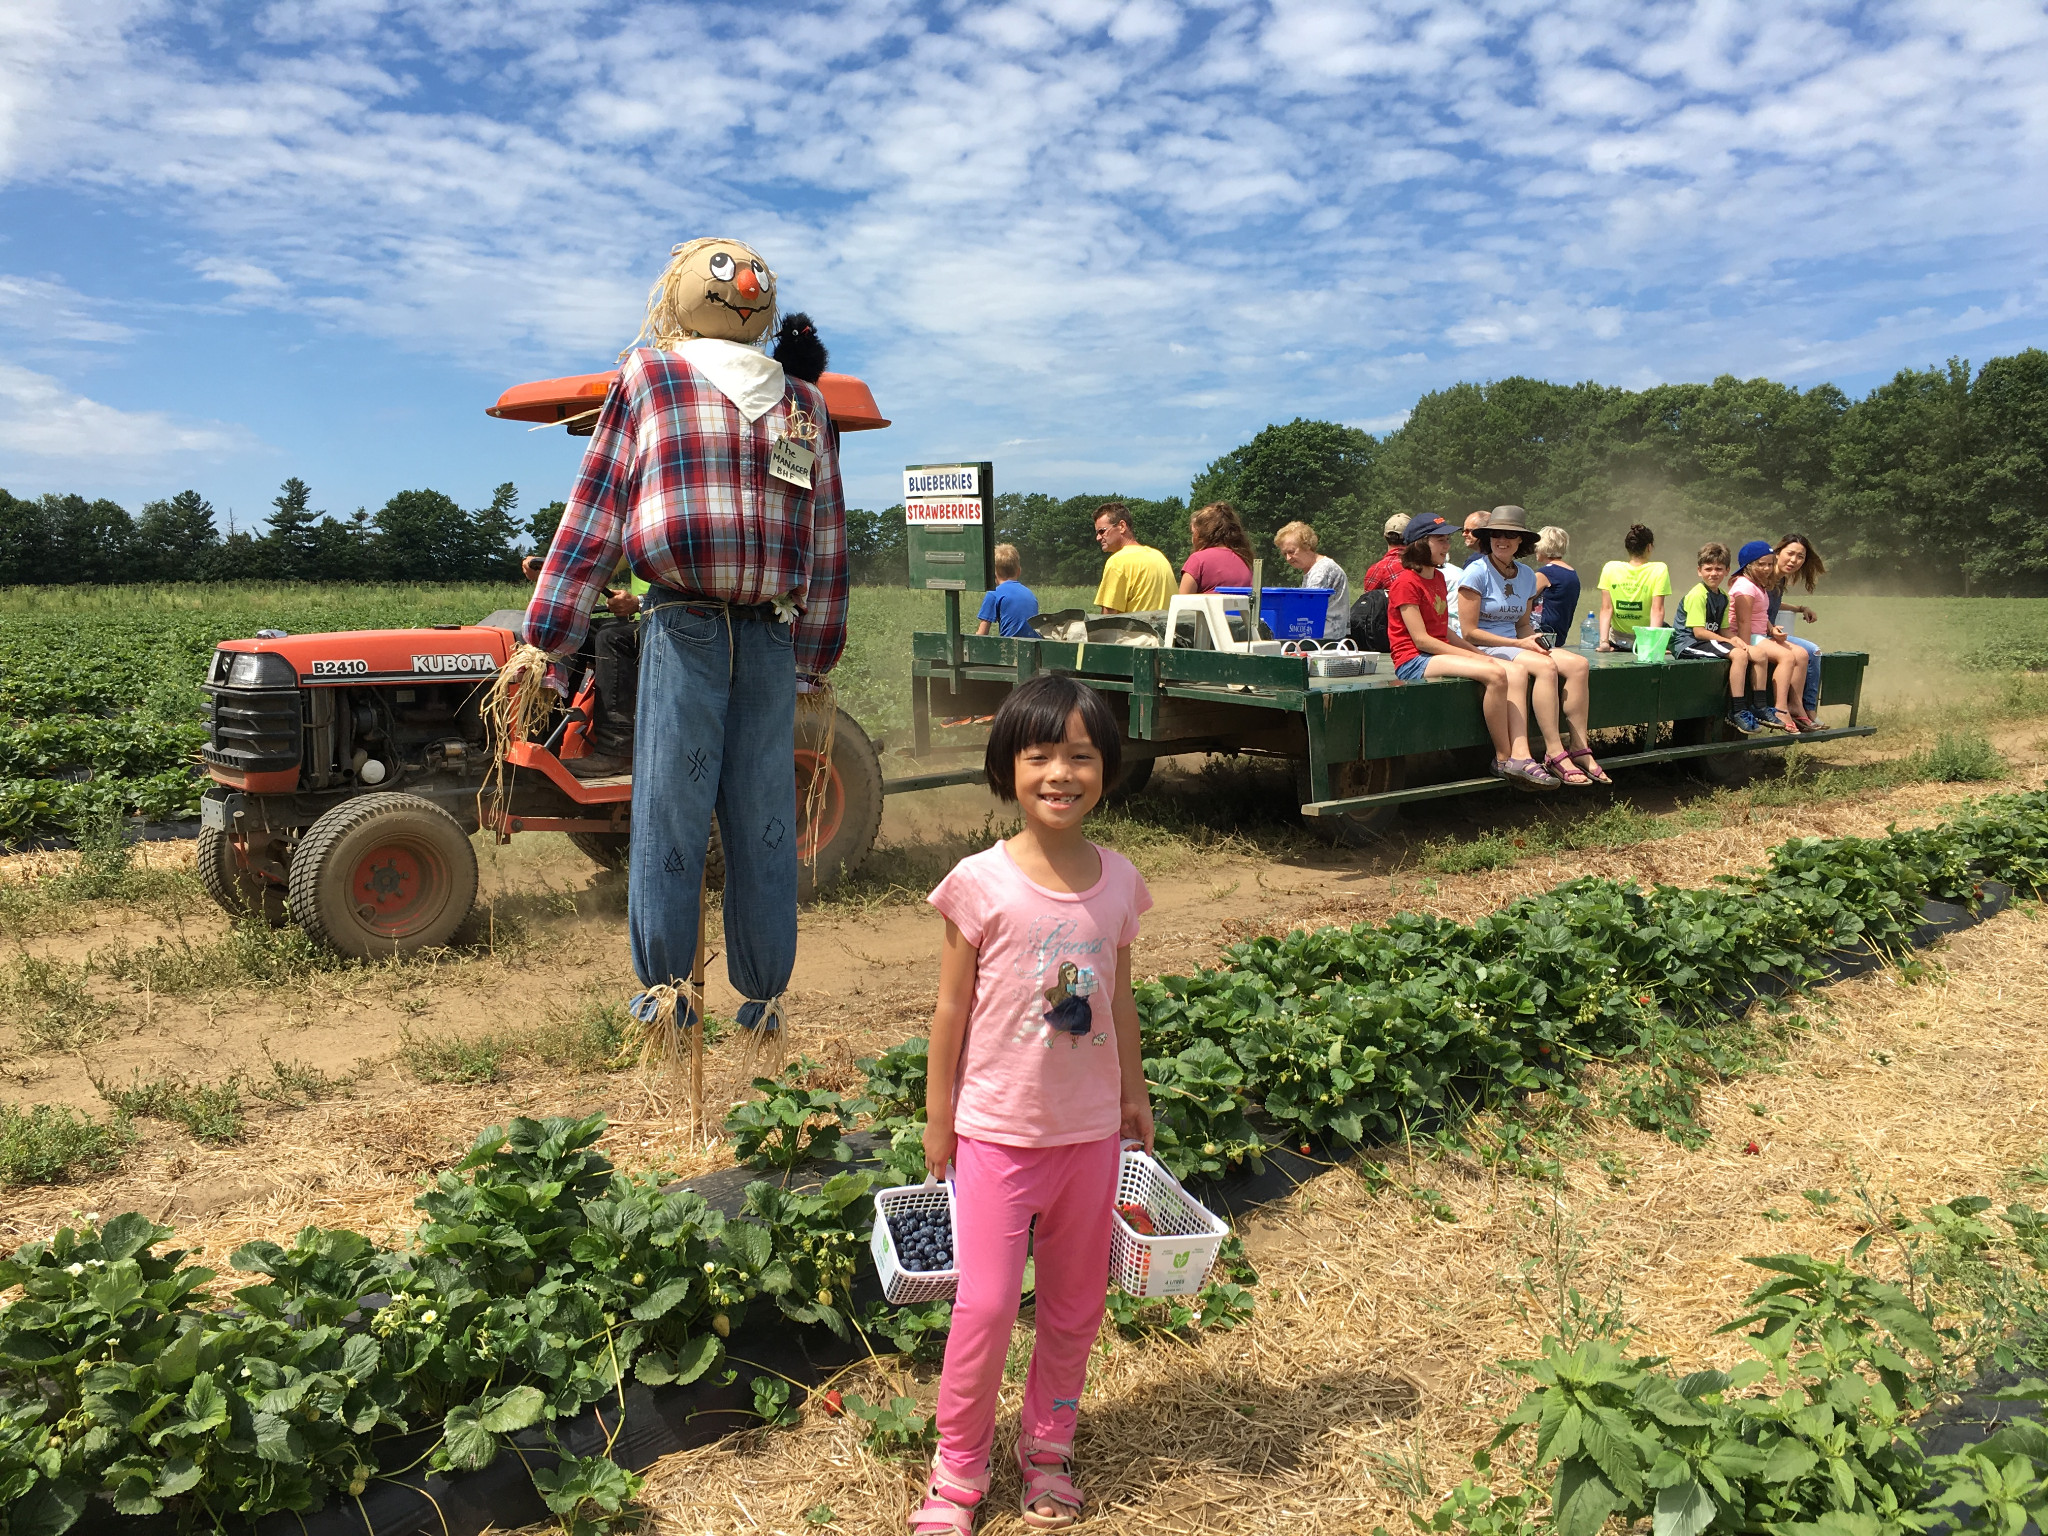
(1367, 625)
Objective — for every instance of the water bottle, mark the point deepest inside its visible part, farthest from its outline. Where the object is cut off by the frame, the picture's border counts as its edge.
(1589, 633)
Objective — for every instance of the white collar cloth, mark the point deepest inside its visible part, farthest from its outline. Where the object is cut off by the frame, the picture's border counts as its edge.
(749, 378)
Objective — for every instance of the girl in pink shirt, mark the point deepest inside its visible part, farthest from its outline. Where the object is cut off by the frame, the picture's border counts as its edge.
(1035, 1078)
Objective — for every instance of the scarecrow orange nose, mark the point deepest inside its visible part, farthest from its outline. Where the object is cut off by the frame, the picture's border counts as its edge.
(748, 284)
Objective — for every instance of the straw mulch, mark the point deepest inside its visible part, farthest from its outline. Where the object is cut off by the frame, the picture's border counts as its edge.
(1372, 1364)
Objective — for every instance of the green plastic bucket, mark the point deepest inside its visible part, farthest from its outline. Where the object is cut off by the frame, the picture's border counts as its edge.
(1653, 645)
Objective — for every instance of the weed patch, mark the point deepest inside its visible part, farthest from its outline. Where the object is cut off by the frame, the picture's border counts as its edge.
(50, 1143)
(210, 1112)
(588, 1039)
(49, 1005)
(1963, 757)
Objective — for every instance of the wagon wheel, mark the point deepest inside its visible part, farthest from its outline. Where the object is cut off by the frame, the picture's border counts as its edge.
(1724, 770)
(230, 877)
(1372, 776)
(383, 875)
(1131, 779)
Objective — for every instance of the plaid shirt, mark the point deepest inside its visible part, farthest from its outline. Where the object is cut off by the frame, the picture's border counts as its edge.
(676, 473)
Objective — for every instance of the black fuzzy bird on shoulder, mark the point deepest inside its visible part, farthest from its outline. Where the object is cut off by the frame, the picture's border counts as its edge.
(798, 349)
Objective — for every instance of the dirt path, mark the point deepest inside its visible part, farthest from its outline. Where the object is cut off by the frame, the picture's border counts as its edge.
(863, 982)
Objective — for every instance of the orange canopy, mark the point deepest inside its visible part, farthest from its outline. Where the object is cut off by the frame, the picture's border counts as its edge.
(849, 401)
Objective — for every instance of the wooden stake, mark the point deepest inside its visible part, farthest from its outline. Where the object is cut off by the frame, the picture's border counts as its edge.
(699, 1130)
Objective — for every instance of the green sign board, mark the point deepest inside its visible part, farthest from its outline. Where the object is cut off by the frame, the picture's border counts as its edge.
(949, 517)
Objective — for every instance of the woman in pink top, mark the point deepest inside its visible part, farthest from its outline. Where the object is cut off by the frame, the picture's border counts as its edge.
(1223, 555)
(1035, 1079)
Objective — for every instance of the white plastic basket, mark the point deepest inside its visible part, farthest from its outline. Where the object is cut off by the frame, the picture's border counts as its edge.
(1178, 1259)
(901, 1286)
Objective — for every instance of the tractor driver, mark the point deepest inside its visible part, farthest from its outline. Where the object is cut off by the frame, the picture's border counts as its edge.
(615, 659)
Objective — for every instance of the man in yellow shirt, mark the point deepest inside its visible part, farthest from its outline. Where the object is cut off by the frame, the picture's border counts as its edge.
(1137, 577)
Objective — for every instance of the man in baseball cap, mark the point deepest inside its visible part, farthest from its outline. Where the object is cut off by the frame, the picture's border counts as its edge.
(1381, 573)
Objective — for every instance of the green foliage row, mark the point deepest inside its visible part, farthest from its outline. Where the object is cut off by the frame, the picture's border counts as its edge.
(1814, 1436)
(537, 1283)
(1361, 1034)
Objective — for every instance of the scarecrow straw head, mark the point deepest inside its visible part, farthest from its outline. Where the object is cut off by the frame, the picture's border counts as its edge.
(714, 287)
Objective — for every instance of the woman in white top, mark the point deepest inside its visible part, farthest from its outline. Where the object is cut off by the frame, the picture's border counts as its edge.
(1297, 545)
(1494, 594)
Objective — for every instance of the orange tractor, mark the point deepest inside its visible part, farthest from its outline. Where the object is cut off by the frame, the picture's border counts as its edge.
(350, 769)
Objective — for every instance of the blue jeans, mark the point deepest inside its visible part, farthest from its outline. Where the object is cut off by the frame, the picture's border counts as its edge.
(1812, 697)
(716, 732)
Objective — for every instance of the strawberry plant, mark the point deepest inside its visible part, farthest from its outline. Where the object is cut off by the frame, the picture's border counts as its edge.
(790, 1123)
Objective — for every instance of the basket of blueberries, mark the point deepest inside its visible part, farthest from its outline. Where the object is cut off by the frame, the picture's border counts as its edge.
(914, 1242)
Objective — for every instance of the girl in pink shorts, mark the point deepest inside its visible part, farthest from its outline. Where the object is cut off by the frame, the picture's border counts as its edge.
(1035, 1078)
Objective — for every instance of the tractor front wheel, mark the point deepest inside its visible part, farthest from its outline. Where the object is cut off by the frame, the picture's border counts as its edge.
(233, 880)
(383, 875)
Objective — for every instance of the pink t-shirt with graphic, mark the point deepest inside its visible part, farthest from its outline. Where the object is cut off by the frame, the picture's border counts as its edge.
(1759, 605)
(1039, 1067)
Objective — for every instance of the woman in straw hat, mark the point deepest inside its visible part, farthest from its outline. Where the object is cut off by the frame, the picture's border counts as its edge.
(1494, 594)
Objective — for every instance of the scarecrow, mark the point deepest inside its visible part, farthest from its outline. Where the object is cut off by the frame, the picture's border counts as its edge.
(714, 470)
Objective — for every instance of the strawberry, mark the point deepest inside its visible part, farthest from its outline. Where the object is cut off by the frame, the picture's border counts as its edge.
(1138, 1218)
(1753, 1150)
(831, 1402)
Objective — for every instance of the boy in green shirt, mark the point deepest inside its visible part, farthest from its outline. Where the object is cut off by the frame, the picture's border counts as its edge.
(1706, 632)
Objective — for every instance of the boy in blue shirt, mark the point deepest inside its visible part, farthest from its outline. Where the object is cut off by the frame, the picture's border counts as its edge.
(1010, 606)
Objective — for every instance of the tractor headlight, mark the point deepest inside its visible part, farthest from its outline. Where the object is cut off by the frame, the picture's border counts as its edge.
(261, 669)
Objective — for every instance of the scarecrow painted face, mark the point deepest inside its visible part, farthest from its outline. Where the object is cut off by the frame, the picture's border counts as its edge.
(723, 289)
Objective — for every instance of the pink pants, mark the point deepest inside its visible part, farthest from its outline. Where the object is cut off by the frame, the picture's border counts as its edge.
(1070, 1190)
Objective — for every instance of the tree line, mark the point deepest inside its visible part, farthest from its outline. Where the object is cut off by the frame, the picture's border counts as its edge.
(1937, 478)
(59, 540)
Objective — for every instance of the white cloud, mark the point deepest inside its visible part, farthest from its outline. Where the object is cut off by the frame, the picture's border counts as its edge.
(46, 311)
(1061, 218)
(40, 418)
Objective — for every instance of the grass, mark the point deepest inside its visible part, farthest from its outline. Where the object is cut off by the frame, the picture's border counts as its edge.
(586, 1039)
(50, 1143)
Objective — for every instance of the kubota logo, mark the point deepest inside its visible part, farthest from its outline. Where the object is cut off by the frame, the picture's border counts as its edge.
(481, 661)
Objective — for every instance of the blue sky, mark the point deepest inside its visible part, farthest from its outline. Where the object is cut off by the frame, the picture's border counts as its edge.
(1098, 243)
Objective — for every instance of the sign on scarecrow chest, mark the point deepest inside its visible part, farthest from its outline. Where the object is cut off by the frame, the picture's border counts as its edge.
(949, 518)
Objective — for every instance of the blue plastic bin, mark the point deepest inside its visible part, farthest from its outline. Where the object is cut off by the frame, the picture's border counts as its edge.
(1292, 613)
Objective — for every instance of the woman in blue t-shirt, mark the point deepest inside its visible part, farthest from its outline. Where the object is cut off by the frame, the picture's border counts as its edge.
(1559, 604)
(1494, 597)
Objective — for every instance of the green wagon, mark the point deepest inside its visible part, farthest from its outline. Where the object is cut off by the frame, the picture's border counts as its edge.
(1360, 745)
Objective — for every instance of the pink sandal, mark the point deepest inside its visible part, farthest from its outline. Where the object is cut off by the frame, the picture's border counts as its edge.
(1567, 772)
(1589, 765)
(1047, 1467)
(950, 1504)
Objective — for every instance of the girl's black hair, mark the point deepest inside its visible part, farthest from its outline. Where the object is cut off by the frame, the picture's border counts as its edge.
(1418, 557)
(1035, 715)
(1638, 539)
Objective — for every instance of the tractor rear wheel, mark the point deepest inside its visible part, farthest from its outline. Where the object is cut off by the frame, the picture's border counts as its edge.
(838, 801)
(225, 872)
(383, 875)
(1354, 829)
(842, 826)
